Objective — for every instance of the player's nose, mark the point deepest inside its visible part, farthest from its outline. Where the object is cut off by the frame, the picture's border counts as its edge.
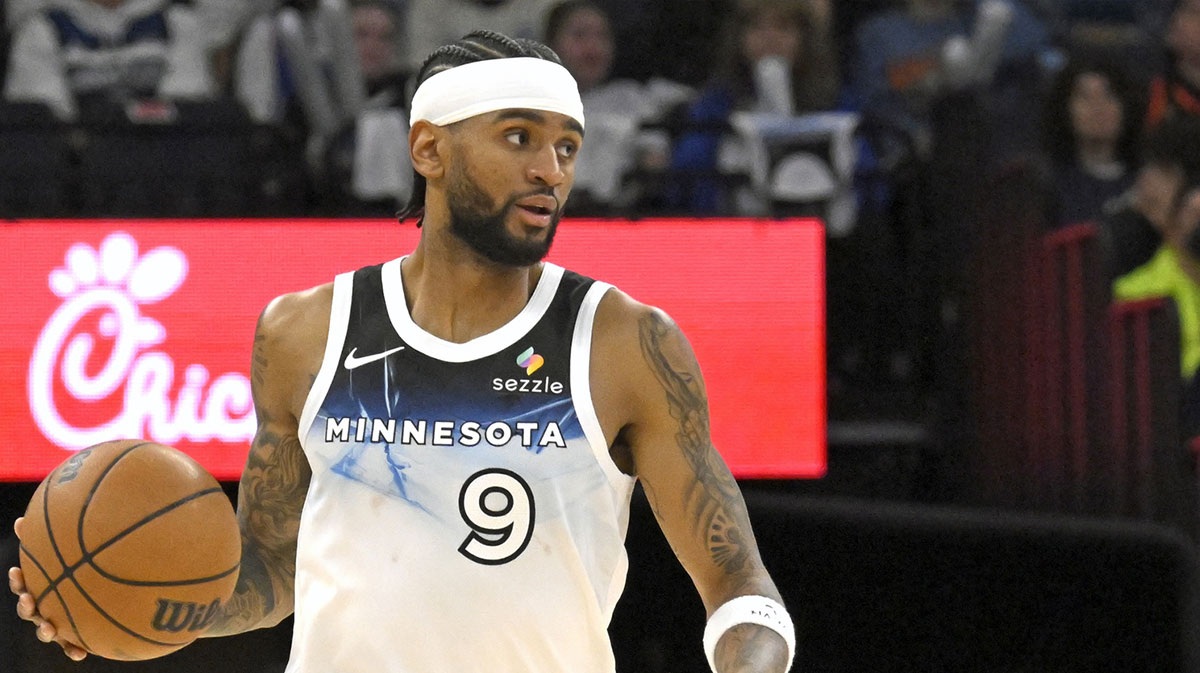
(545, 168)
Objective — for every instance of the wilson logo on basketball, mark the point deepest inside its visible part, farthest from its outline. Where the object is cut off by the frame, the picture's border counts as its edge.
(175, 616)
(70, 469)
(115, 284)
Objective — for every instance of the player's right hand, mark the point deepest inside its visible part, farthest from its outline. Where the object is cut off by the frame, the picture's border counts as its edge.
(27, 610)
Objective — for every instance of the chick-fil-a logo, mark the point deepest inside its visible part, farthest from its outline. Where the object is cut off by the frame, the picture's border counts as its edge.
(118, 283)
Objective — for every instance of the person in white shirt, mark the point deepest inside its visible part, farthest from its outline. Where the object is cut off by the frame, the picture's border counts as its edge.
(115, 49)
(619, 109)
(432, 23)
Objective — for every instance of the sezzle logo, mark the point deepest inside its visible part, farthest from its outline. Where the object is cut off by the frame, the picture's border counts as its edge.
(531, 362)
(115, 281)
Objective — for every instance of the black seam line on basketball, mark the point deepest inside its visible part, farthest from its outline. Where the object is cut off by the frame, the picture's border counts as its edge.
(62, 562)
(114, 622)
(172, 583)
(89, 555)
(87, 502)
(50, 531)
(66, 610)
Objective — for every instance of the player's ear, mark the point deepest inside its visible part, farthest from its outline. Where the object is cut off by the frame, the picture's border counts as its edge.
(426, 149)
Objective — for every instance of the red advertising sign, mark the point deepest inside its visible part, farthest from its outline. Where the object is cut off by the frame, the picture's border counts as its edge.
(143, 328)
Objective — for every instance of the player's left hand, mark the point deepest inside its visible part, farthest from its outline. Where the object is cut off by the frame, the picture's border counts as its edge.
(27, 610)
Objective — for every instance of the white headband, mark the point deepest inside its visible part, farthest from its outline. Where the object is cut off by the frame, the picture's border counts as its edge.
(496, 84)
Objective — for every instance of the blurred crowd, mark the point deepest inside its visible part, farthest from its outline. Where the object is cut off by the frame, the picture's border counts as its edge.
(694, 107)
(680, 95)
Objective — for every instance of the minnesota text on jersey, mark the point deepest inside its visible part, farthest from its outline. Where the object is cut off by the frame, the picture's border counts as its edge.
(444, 433)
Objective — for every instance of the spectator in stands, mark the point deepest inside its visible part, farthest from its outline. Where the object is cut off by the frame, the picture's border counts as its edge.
(1177, 89)
(617, 110)
(1168, 194)
(376, 36)
(75, 51)
(224, 24)
(906, 58)
(1170, 159)
(432, 23)
(1092, 125)
(367, 163)
(299, 67)
(581, 33)
(777, 57)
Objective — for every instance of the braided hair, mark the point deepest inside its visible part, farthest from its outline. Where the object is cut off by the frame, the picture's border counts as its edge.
(480, 45)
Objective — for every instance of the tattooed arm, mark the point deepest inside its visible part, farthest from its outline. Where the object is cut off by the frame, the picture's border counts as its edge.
(288, 344)
(656, 416)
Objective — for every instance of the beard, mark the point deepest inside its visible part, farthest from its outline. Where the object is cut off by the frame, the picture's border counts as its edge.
(475, 221)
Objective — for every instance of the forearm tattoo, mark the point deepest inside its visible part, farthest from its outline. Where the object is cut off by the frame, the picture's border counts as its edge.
(270, 497)
(713, 497)
(253, 598)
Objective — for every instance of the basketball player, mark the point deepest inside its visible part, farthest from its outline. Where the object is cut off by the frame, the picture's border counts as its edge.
(448, 442)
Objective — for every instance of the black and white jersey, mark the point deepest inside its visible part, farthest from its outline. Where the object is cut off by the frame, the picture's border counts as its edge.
(464, 513)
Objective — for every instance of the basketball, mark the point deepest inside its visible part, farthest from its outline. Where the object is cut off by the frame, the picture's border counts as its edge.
(129, 549)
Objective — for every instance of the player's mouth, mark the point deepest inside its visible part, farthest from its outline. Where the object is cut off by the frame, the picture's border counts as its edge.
(537, 211)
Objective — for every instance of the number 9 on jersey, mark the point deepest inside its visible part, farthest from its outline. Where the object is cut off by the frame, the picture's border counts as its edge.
(498, 506)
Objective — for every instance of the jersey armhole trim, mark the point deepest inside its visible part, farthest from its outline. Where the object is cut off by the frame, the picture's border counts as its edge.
(581, 386)
(339, 320)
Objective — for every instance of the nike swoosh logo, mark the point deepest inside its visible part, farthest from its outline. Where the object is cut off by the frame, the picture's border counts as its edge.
(354, 363)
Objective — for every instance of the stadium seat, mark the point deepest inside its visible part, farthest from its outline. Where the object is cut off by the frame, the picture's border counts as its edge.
(1073, 453)
(1005, 344)
(162, 159)
(36, 170)
(1154, 472)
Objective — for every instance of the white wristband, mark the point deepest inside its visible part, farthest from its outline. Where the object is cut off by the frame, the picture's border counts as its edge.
(748, 610)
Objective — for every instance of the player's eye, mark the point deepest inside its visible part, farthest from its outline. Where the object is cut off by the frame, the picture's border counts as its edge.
(567, 150)
(518, 137)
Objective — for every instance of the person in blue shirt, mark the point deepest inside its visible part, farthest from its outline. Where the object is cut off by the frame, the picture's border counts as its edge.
(793, 33)
(1092, 127)
(901, 62)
